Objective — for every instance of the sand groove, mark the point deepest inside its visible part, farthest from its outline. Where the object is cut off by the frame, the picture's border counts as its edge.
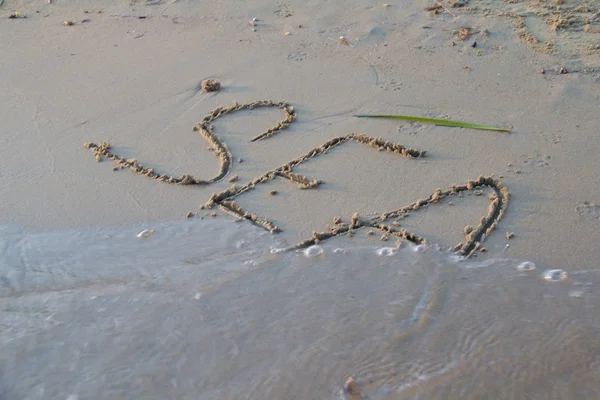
(225, 199)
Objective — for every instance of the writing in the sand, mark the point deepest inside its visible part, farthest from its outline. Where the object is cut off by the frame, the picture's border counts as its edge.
(226, 199)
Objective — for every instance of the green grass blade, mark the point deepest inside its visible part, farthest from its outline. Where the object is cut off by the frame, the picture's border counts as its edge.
(439, 122)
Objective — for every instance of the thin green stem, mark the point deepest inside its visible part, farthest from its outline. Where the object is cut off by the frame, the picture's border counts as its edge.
(439, 122)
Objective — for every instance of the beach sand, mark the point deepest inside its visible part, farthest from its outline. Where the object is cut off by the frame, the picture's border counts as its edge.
(129, 73)
(130, 76)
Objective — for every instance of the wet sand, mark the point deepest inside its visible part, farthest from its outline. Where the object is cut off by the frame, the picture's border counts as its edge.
(129, 73)
(169, 316)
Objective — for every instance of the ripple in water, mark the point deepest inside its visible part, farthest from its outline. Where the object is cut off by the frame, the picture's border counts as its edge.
(578, 294)
(420, 248)
(526, 266)
(455, 259)
(145, 233)
(387, 251)
(313, 251)
(555, 275)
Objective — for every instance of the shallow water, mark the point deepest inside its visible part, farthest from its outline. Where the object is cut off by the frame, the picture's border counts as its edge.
(204, 309)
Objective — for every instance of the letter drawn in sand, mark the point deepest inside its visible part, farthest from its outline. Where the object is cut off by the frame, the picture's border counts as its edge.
(226, 199)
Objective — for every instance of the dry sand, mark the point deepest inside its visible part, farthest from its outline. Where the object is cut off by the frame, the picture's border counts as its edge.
(130, 73)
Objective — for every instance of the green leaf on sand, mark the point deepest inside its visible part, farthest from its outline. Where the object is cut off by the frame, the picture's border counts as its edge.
(439, 122)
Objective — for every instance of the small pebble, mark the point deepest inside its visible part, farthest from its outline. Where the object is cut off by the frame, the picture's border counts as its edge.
(350, 386)
(210, 85)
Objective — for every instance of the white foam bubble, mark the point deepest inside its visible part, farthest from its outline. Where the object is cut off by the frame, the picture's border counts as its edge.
(455, 258)
(276, 250)
(555, 275)
(526, 266)
(386, 251)
(313, 251)
(339, 250)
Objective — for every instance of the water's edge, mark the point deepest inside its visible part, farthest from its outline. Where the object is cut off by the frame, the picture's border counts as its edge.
(210, 309)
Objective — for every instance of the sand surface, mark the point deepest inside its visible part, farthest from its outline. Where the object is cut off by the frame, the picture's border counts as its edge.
(204, 308)
(128, 73)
